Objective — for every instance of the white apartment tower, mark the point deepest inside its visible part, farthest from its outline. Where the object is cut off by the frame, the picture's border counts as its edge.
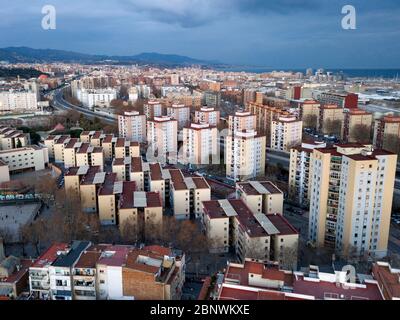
(162, 138)
(200, 144)
(245, 155)
(132, 126)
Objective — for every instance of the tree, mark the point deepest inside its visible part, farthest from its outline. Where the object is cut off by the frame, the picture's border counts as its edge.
(289, 257)
(333, 127)
(130, 232)
(392, 143)
(360, 133)
(310, 121)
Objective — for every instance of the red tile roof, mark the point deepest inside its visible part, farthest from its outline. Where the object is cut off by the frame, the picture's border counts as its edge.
(50, 255)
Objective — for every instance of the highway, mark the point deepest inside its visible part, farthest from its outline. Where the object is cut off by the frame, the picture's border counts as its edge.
(59, 103)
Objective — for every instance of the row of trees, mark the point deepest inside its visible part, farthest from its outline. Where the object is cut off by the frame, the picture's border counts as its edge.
(360, 132)
(65, 221)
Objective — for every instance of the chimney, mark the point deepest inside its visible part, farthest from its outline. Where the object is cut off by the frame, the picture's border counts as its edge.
(2, 255)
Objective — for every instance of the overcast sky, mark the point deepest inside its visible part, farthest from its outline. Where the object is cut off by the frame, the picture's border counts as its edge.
(270, 33)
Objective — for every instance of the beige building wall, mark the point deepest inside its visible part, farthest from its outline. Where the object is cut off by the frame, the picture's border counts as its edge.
(217, 231)
(89, 197)
(120, 170)
(138, 177)
(107, 209)
(332, 113)
(128, 215)
(50, 146)
(251, 246)
(162, 136)
(352, 121)
(367, 205)
(200, 144)
(181, 203)
(158, 186)
(71, 184)
(286, 249)
(153, 217)
(286, 132)
(59, 152)
(207, 115)
(242, 121)
(245, 155)
(4, 173)
(385, 200)
(319, 196)
(69, 157)
(108, 150)
(32, 157)
(132, 126)
(200, 195)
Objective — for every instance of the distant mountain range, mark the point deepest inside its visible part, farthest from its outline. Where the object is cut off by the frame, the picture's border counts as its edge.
(29, 55)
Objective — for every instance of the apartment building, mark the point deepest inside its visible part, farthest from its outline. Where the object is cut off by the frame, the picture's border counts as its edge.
(21, 159)
(343, 100)
(91, 98)
(82, 271)
(124, 148)
(130, 169)
(308, 112)
(330, 119)
(162, 138)
(186, 194)
(180, 113)
(132, 126)
(286, 132)
(387, 133)
(200, 144)
(212, 99)
(55, 145)
(357, 125)
(158, 180)
(84, 182)
(153, 109)
(388, 279)
(12, 139)
(140, 211)
(80, 154)
(150, 273)
(207, 115)
(260, 196)
(115, 147)
(13, 275)
(299, 171)
(60, 271)
(84, 274)
(263, 280)
(245, 155)
(89, 155)
(39, 272)
(240, 121)
(153, 273)
(231, 224)
(94, 138)
(109, 273)
(265, 114)
(351, 198)
(4, 172)
(181, 193)
(18, 101)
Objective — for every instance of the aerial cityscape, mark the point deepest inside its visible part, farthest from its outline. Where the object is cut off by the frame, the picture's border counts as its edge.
(181, 162)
